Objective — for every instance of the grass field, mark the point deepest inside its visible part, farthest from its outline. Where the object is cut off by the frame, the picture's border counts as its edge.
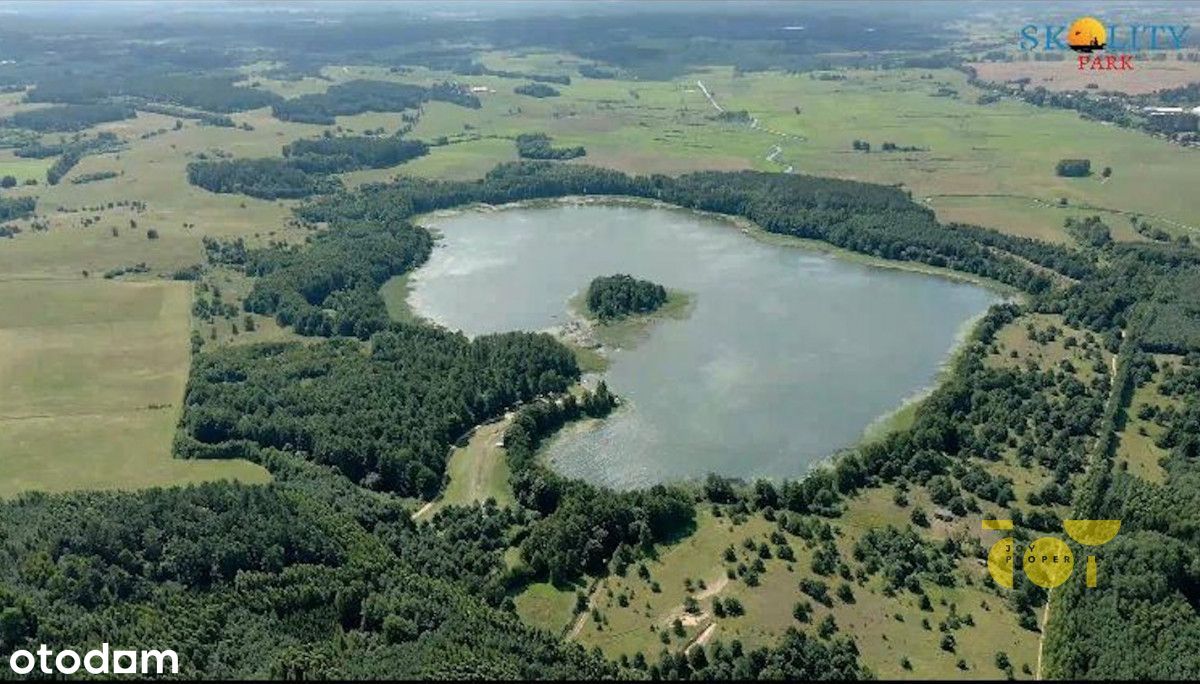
(477, 471)
(992, 165)
(545, 606)
(91, 382)
(871, 619)
(1136, 449)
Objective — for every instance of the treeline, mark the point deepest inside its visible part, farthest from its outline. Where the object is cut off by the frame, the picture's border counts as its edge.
(205, 118)
(265, 178)
(211, 93)
(16, 207)
(872, 219)
(105, 141)
(69, 118)
(583, 527)
(356, 97)
(1145, 597)
(69, 153)
(598, 72)
(348, 153)
(305, 167)
(1088, 232)
(478, 69)
(539, 90)
(385, 417)
(619, 295)
(330, 287)
(538, 146)
(1162, 277)
(284, 581)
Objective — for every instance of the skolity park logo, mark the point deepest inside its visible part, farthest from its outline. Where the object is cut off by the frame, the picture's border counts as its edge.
(1047, 561)
(1088, 35)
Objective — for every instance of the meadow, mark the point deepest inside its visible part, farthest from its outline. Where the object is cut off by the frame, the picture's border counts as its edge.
(91, 378)
(634, 616)
(992, 165)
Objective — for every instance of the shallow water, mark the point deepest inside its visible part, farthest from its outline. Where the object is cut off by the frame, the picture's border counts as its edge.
(787, 356)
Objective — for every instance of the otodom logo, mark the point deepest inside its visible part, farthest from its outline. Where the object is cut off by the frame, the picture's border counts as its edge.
(1048, 561)
(1088, 36)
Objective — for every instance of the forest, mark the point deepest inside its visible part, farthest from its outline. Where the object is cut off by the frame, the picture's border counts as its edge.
(266, 178)
(356, 97)
(385, 417)
(538, 146)
(871, 219)
(69, 118)
(16, 207)
(619, 295)
(209, 92)
(306, 167)
(539, 90)
(332, 154)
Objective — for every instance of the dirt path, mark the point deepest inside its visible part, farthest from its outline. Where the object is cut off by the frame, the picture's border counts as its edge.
(702, 638)
(581, 619)
(1042, 639)
(422, 511)
(709, 96)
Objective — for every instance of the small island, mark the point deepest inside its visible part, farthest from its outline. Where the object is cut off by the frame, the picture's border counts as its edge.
(617, 296)
(616, 311)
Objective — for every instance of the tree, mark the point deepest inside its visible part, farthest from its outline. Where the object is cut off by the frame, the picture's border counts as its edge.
(1073, 168)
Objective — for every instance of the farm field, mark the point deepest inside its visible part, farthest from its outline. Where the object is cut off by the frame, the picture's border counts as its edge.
(1063, 76)
(991, 165)
(92, 376)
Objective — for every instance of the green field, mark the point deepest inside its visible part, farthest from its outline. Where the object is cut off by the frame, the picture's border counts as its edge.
(92, 377)
(768, 606)
(992, 165)
(1137, 450)
(477, 471)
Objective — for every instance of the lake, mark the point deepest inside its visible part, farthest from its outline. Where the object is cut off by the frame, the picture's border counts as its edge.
(788, 354)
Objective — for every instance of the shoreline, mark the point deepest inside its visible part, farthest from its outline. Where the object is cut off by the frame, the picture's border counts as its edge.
(580, 333)
(745, 225)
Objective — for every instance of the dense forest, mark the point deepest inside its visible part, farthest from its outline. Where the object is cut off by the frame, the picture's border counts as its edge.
(538, 146)
(69, 118)
(347, 153)
(539, 90)
(872, 219)
(16, 207)
(356, 97)
(209, 92)
(302, 579)
(306, 167)
(266, 178)
(384, 417)
(620, 295)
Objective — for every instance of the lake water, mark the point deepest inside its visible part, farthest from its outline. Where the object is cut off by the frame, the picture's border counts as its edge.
(788, 355)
